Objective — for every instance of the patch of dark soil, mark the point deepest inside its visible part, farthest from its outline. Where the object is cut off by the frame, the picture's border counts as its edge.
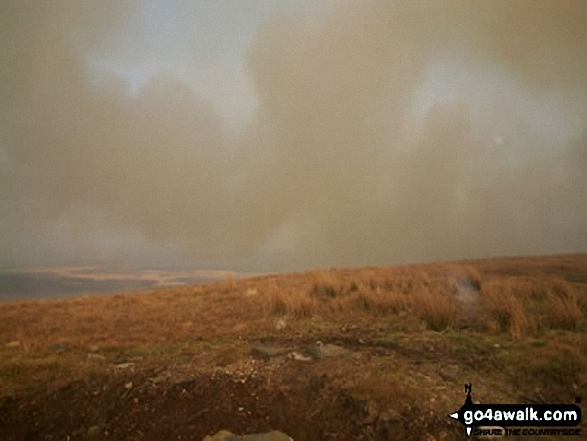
(298, 402)
(431, 352)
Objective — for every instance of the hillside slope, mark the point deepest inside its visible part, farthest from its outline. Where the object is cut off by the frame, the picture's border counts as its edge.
(369, 353)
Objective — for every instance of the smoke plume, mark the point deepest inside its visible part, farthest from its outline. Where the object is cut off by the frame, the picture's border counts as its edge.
(385, 132)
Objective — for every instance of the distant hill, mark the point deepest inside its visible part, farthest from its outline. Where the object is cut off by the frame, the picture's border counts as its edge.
(74, 281)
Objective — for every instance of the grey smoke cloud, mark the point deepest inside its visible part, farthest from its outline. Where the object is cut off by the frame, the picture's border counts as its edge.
(336, 168)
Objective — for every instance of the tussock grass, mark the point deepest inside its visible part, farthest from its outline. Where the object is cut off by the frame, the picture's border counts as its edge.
(380, 292)
(516, 297)
(564, 305)
(437, 309)
(379, 301)
(442, 296)
(505, 311)
(287, 301)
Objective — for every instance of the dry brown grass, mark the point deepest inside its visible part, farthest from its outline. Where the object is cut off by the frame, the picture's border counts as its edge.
(522, 306)
(126, 319)
(391, 292)
(287, 301)
(437, 309)
(518, 297)
(504, 310)
(564, 304)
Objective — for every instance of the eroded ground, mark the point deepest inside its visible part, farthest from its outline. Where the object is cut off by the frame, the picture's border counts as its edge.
(368, 384)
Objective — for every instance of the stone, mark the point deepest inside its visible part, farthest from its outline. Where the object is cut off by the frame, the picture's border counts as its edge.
(321, 350)
(225, 435)
(280, 324)
(296, 356)
(96, 357)
(125, 366)
(270, 436)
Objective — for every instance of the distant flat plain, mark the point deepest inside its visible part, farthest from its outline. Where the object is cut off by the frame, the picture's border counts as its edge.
(51, 282)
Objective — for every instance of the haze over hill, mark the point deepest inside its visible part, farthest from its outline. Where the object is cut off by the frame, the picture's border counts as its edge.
(289, 135)
(35, 283)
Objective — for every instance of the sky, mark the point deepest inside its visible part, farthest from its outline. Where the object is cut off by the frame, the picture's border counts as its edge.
(286, 135)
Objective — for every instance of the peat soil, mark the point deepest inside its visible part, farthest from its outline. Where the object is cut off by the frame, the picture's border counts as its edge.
(282, 386)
